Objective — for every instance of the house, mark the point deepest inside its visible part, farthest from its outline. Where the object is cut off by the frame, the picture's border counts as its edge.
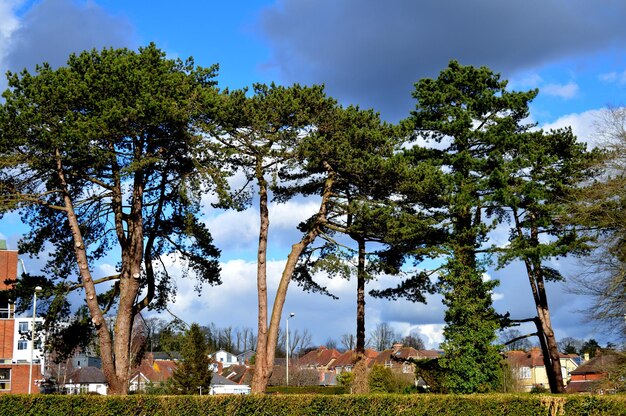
(601, 374)
(222, 359)
(319, 359)
(86, 380)
(153, 370)
(529, 369)
(396, 358)
(16, 349)
(245, 357)
(237, 373)
(222, 385)
(346, 361)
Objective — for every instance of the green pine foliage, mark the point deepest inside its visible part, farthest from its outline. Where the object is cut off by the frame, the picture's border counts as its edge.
(192, 372)
(469, 112)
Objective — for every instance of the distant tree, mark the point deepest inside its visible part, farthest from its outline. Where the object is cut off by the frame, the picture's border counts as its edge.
(331, 343)
(192, 370)
(590, 347)
(569, 345)
(602, 208)
(382, 336)
(413, 340)
(512, 340)
(348, 341)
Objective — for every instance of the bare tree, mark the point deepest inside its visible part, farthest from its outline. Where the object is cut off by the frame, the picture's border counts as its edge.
(512, 339)
(383, 336)
(601, 207)
(348, 341)
(413, 340)
(331, 343)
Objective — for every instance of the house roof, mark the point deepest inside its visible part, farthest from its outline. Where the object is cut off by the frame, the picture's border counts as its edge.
(322, 357)
(601, 363)
(533, 358)
(403, 353)
(235, 373)
(86, 375)
(217, 380)
(156, 371)
(348, 358)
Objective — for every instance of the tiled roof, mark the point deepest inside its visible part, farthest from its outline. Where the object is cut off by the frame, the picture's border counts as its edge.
(348, 358)
(532, 358)
(156, 371)
(87, 375)
(235, 373)
(322, 357)
(601, 363)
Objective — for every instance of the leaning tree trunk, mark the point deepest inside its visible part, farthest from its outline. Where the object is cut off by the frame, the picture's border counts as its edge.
(360, 300)
(262, 369)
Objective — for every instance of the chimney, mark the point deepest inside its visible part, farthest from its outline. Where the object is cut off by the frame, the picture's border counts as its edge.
(586, 356)
(395, 347)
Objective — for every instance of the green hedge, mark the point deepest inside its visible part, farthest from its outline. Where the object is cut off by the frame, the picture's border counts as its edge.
(275, 405)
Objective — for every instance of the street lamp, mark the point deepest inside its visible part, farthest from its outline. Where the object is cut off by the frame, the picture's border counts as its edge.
(32, 337)
(291, 315)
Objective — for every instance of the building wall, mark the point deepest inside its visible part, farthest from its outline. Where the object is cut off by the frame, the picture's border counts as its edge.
(7, 331)
(20, 374)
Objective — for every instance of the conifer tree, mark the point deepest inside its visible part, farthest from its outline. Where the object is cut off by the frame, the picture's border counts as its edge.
(193, 372)
(469, 112)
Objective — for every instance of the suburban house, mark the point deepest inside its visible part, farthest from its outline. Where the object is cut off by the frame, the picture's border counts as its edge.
(16, 348)
(240, 374)
(529, 370)
(396, 358)
(346, 361)
(599, 375)
(222, 385)
(154, 370)
(245, 357)
(86, 380)
(222, 359)
(319, 359)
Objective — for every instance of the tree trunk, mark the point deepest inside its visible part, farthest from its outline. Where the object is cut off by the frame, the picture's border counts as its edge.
(547, 340)
(360, 300)
(262, 369)
(116, 385)
(267, 341)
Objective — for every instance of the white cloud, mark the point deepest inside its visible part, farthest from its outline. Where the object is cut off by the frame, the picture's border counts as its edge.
(582, 124)
(565, 91)
(431, 334)
(614, 77)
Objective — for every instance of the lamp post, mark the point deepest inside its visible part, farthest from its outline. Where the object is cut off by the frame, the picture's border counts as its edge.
(291, 315)
(32, 337)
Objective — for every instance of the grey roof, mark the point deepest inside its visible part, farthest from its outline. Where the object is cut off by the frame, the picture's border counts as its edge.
(217, 380)
(87, 375)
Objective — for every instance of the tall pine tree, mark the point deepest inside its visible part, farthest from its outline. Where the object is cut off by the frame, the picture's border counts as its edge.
(469, 112)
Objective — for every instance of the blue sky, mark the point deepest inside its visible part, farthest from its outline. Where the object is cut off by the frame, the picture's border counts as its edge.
(367, 53)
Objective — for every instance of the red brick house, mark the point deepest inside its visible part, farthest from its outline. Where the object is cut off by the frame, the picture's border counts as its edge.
(14, 359)
(600, 375)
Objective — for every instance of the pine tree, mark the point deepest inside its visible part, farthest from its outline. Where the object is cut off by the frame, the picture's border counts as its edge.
(193, 370)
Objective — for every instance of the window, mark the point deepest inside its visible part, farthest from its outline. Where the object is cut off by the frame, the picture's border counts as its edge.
(5, 379)
(22, 344)
(524, 372)
(23, 327)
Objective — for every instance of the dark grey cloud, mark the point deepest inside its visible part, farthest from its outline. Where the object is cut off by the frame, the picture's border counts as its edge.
(371, 52)
(53, 29)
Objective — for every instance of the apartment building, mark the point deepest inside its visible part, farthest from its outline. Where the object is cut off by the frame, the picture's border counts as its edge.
(16, 347)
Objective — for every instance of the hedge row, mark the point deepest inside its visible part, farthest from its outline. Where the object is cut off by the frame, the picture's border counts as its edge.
(510, 405)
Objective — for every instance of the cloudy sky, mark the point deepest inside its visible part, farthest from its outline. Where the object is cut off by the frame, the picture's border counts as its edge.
(367, 53)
